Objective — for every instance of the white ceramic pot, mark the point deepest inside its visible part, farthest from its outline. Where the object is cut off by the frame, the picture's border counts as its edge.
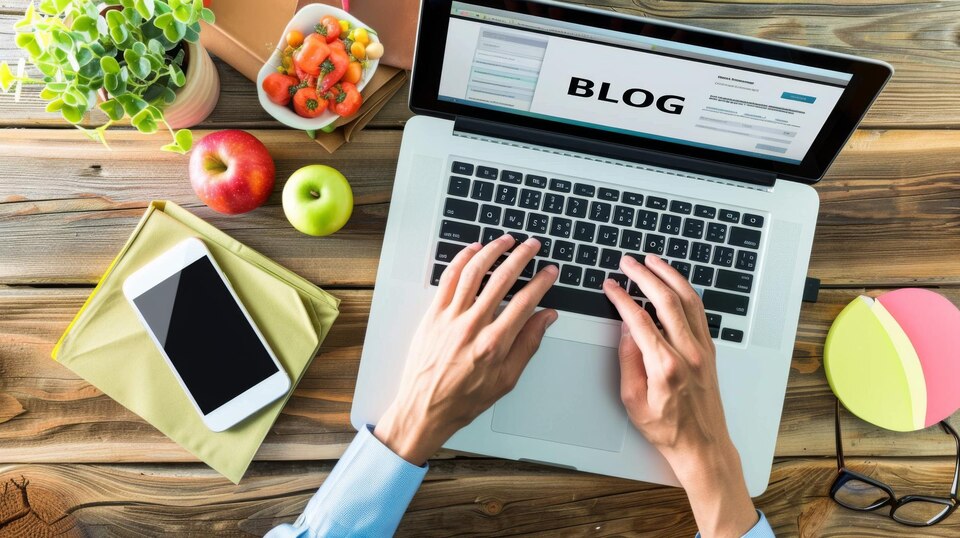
(198, 96)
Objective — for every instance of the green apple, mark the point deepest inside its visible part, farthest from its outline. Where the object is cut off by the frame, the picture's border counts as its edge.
(317, 200)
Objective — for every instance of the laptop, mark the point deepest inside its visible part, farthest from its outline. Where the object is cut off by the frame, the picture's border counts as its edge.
(605, 135)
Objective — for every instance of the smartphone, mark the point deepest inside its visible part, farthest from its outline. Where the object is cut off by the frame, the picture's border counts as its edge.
(206, 336)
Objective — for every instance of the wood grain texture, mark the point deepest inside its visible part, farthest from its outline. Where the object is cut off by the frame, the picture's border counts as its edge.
(481, 497)
(66, 420)
(69, 206)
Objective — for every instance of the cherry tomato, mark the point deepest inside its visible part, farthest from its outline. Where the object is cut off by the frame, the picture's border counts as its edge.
(358, 50)
(308, 104)
(360, 36)
(329, 28)
(354, 73)
(348, 100)
(311, 54)
(277, 87)
(294, 38)
(336, 66)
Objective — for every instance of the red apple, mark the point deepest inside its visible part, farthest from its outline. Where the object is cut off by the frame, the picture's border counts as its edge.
(231, 171)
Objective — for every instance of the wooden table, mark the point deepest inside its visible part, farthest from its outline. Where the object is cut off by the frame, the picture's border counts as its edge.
(76, 462)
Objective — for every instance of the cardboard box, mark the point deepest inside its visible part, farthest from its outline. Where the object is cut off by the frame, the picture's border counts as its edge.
(246, 31)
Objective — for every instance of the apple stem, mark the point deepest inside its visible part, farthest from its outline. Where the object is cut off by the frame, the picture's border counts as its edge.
(315, 194)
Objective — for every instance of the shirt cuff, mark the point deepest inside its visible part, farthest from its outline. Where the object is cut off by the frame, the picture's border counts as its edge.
(762, 529)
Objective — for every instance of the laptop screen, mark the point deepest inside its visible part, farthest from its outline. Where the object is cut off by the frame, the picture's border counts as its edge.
(635, 85)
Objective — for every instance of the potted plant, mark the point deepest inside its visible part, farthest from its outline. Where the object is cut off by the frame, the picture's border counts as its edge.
(138, 59)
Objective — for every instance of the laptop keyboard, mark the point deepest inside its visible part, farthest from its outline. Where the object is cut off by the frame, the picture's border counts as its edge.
(585, 229)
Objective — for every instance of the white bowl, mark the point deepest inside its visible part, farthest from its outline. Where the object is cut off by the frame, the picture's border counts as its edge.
(304, 20)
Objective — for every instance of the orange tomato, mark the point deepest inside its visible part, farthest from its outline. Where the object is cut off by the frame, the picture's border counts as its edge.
(354, 73)
(358, 50)
(294, 38)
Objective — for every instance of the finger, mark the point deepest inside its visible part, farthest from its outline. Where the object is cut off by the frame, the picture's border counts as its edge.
(644, 331)
(633, 373)
(526, 344)
(689, 298)
(476, 269)
(523, 303)
(451, 275)
(505, 276)
(669, 308)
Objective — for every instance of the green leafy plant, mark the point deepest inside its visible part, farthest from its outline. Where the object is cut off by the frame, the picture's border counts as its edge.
(133, 50)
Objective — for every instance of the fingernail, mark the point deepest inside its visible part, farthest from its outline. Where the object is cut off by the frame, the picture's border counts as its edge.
(532, 242)
(628, 260)
(653, 258)
(475, 246)
(506, 238)
(610, 282)
(551, 269)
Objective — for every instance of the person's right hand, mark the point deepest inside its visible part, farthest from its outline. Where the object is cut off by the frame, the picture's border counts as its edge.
(668, 384)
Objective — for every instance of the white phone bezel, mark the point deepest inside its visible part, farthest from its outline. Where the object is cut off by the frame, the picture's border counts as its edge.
(246, 403)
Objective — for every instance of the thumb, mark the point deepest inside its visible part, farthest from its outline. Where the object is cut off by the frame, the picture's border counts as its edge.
(526, 344)
(633, 373)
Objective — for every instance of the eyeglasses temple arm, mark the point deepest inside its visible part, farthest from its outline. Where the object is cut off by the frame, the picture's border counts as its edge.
(956, 468)
(840, 462)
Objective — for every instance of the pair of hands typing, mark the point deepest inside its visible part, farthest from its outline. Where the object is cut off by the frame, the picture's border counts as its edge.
(464, 357)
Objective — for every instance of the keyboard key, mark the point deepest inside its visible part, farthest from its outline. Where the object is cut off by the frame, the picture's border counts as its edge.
(670, 224)
(700, 253)
(752, 220)
(654, 202)
(459, 186)
(608, 235)
(546, 245)
(683, 208)
(608, 194)
(632, 198)
(693, 228)
(537, 223)
(462, 168)
(620, 279)
(713, 320)
(460, 209)
(631, 240)
(652, 310)
(529, 199)
(647, 220)
(600, 211)
(593, 279)
(683, 268)
(654, 244)
(490, 235)
(576, 207)
(437, 271)
(490, 214)
(563, 251)
(571, 274)
(635, 290)
(744, 237)
(728, 303)
(553, 203)
(623, 215)
(584, 231)
(487, 172)
(506, 195)
(508, 176)
(587, 255)
(528, 270)
(581, 189)
(446, 251)
(482, 190)
(746, 260)
(560, 185)
(518, 237)
(729, 215)
(459, 231)
(561, 227)
(513, 218)
(734, 281)
(705, 212)
(677, 248)
(536, 181)
(716, 232)
(610, 259)
(543, 263)
(702, 275)
(733, 335)
(577, 300)
(714, 331)
(723, 256)
(637, 256)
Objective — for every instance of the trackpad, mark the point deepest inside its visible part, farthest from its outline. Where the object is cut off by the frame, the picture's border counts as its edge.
(569, 393)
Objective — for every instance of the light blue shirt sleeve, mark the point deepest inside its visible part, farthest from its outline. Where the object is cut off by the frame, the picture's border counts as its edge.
(761, 530)
(366, 494)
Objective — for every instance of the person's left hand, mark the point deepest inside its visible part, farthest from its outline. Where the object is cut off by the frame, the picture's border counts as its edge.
(464, 357)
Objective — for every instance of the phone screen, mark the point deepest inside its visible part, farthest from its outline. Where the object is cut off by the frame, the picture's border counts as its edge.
(205, 334)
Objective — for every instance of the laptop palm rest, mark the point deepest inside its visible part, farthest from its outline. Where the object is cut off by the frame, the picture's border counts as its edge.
(569, 393)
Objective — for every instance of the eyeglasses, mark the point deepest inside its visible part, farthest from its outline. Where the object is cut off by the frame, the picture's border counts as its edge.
(858, 492)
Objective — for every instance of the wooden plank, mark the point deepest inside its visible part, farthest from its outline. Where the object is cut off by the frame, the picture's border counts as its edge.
(57, 417)
(74, 203)
(917, 37)
(479, 497)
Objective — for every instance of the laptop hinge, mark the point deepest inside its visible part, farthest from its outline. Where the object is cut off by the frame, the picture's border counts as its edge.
(565, 142)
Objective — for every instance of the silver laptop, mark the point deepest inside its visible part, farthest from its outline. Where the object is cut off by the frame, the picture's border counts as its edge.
(604, 136)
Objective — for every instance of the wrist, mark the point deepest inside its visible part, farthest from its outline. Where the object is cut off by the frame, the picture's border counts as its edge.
(412, 438)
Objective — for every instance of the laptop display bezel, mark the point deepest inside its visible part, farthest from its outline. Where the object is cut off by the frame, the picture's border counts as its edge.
(868, 79)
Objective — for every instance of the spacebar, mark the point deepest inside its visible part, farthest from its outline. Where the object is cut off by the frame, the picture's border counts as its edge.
(574, 300)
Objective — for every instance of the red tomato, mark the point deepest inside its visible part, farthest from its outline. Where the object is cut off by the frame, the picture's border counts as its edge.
(354, 73)
(329, 28)
(308, 104)
(277, 87)
(348, 100)
(311, 54)
(335, 66)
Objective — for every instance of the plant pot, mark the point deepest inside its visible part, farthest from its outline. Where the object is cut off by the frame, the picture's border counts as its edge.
(198, 96)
